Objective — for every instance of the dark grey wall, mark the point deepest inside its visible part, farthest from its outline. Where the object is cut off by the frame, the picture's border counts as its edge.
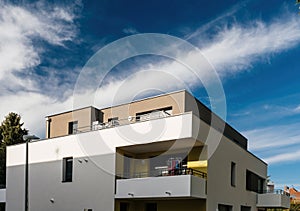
(91, 187)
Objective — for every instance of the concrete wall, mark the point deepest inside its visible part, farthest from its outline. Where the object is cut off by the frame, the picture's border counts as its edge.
(175, 100)
(93, 183)
(219, 189)
(166, 205)
(2, 195)
(59, 124)
(273, 200)
(157, 187)
(92, 186)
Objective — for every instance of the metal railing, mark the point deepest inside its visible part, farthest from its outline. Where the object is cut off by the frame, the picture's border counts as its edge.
(277, 191)
(120, 122)
(163, 173)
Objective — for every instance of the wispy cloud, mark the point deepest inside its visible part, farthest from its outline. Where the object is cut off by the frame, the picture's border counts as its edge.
(23, 29)
(228, 13)
(130, 30)
(291, 156)
(276, 144)
(232, 50)
(238, 47)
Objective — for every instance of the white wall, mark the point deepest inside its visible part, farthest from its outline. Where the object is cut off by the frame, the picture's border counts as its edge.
(2, 195)
(219, 186)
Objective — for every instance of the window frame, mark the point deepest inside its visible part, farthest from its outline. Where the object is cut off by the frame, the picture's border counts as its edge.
(65, 170)
(233, 174)
(71, 127)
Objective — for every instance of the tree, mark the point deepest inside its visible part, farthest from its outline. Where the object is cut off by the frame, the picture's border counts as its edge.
(11, 132)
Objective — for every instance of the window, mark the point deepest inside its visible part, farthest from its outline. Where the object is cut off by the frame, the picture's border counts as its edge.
(233, 174)
(154, 114)
(67, 169)
(245, 208)
(114, 121)
(124, 206)
(151, 207)
(73, 126)
(254, 182)
(222, 207)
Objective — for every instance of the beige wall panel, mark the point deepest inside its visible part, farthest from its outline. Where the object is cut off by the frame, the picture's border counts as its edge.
(176, 100)
(60, 123)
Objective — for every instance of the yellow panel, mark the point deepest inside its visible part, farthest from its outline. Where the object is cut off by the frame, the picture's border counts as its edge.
(197, 164)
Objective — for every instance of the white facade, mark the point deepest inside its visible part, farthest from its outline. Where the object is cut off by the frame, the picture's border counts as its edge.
(215, 172)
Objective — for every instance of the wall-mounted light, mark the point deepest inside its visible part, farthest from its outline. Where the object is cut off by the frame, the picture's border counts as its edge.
(80, 161)
(86, 160)
(131, 194)
(52, 200)
(168, 193)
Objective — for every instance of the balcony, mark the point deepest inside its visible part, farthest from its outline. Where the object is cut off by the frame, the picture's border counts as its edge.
(184, 182)
(274, 199)
(128, 133)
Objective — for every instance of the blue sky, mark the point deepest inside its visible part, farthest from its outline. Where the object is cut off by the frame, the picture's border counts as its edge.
(253, 47)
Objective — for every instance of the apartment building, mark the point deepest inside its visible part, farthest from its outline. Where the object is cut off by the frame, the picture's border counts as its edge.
(167, 152)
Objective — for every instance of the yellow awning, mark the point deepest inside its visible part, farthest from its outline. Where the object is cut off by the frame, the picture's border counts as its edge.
(197, 164)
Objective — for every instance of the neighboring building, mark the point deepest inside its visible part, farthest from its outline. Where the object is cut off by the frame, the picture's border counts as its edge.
(294, 193)
(147, 155)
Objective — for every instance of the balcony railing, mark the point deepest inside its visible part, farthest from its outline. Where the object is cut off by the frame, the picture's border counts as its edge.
(163, 172)
(273, 199)
(277, 191)
(119, 122)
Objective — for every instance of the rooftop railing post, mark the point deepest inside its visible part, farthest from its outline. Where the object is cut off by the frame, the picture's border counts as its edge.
(27, 139)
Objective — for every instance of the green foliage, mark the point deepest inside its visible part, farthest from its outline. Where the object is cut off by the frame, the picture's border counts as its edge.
(295, 207)
(11, 129)
(11, 132)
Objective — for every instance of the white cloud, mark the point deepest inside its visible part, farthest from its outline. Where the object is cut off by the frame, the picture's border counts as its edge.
(237, 48)
(275, 144)
(21, 27)
(284, 157)
(33, 107)
(297, 109)
(130, 30)
(273, 137)
(232, 50)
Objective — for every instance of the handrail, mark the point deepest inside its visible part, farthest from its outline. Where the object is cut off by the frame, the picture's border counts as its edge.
(277, 191)
(163, 172)
(120, 122)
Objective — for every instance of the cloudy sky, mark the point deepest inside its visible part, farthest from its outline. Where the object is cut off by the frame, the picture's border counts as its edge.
(253, 47)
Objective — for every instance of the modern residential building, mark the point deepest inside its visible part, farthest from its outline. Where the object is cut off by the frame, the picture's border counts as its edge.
(167, 152)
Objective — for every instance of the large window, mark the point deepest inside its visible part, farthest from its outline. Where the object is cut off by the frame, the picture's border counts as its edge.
(254, 182)
(73, 126)
(154, 114)
(245, 208)
(223, 207)
(124, 206)
(67, 169)
(114, 121)
(151, 207)
(233, 174)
